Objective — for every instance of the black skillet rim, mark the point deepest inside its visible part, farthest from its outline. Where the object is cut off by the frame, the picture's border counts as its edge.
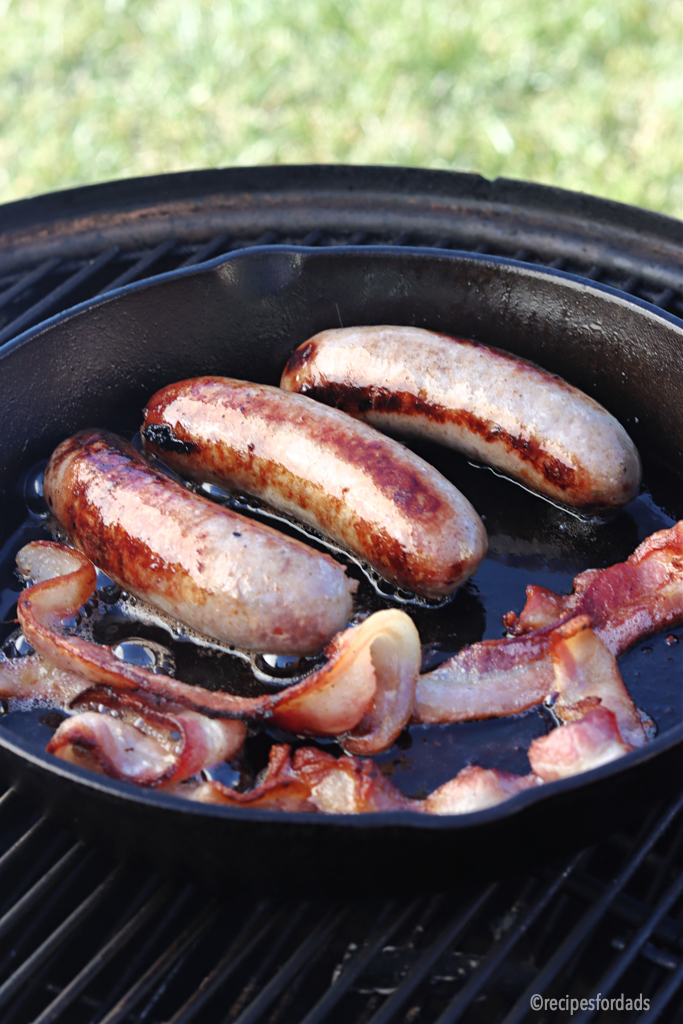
(407, 819)
(330, 251)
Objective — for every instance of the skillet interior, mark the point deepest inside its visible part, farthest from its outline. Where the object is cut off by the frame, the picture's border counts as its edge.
(242, 317)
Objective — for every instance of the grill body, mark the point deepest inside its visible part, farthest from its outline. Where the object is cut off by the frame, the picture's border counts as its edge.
(84, 938)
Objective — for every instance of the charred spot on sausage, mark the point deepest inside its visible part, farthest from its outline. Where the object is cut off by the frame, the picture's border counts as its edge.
(162, 436)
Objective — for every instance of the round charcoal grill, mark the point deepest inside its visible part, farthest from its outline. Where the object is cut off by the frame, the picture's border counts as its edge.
(85, 938)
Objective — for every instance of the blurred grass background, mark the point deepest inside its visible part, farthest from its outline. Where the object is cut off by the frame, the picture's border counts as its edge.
(586, 94)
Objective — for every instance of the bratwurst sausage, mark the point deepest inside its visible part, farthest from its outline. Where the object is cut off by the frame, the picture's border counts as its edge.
(489, 404)
(364, 490)
(215, 570)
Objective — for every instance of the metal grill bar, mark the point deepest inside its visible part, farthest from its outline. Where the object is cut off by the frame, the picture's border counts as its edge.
(291, 968)
(103, 956)
(7, 798)
(49, 303)
(236, 954)
(144, 950)
(267, 238)
(660, 879)
(498, 953)
(663, 997)
(206, 252)
(59, 935)
(429, 958)
(163, 967)
(376, 940)
(589, 921)
(609, 980)
(50, 902)
(29, 900)
(11, 855)
(665, 298)
(626, 908)
(268, 958)
(140, 267)
(27, 280)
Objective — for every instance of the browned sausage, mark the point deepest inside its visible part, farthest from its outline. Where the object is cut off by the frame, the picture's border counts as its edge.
(213, 569)
(366, 491)
(489, 404)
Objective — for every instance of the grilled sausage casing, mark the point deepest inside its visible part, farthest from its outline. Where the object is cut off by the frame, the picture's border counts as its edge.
(489, 404)
(362, 489)
(213, 569)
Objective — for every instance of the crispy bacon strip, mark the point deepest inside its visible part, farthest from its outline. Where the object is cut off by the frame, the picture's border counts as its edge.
(586, 676)
(625, 602)
(578, 746)
(126, 739)
(278, 790)
(347, 785)
(315, 780)
(475, 788)
(331, 701)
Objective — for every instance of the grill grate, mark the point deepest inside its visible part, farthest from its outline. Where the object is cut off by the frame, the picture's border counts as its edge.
(86, 940)
(32, 295)
(89, 941)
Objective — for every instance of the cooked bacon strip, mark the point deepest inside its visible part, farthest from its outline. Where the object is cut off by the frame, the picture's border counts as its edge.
(586, 675)
(126, 739)
(578, 747)
(315, 780)
(195, 740)
(35, 678)
(373, 669)
(329, 702)
(475, 788)
(347, 785)
(396, 655)
(115, 748)
(278, 790)
(625, 602)
(489, 679)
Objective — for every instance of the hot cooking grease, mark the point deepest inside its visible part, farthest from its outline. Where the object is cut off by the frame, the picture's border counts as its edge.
(530, 541)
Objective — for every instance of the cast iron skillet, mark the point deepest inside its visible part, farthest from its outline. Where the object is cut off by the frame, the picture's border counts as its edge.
(242, 316)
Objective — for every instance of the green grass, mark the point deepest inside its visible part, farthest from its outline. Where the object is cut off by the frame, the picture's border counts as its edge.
(585, 94)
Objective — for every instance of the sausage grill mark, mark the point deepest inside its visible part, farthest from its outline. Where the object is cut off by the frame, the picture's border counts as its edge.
(178, 550)
(359, 400)
(341, 477)
(490, 405)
